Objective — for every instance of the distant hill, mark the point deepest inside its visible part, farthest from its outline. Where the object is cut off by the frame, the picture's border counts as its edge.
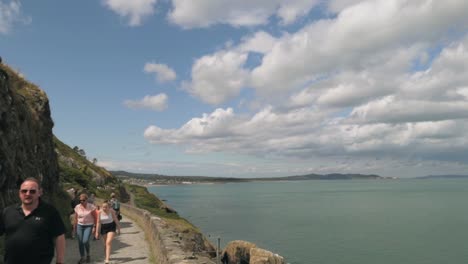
(332, 176)
(164, 179)
(448, 176)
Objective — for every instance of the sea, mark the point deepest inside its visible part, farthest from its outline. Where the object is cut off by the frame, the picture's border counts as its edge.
(404, 221)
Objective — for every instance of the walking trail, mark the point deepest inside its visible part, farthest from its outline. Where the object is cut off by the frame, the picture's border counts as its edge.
(129, 247)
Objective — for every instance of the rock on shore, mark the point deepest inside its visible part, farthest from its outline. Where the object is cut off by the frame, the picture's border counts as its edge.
(243, 252)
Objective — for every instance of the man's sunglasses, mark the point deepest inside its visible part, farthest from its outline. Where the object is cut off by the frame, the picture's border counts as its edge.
(82, 200)
(24, 191)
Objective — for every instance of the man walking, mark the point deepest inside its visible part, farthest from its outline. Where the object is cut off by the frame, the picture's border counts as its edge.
(32, 228)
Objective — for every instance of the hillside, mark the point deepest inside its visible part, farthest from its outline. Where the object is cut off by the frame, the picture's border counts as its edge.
(77, 172)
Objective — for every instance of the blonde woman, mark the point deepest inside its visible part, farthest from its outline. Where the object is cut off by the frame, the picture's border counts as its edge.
(108, 225)
(84, 226)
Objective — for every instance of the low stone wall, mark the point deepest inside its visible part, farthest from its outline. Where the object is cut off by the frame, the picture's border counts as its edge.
(166, 245)
(148, 223)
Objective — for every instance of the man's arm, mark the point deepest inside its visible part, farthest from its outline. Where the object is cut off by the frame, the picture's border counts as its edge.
(60, 248)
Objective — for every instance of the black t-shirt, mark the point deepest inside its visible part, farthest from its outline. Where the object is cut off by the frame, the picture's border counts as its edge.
(30, 239)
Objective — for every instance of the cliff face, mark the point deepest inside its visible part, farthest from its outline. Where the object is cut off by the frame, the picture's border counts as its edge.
(26, 140)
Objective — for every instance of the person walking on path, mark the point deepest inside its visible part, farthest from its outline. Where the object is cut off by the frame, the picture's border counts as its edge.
(108, 225)
(91, 198)
(115, 204)
(84, 226)
(33, 228)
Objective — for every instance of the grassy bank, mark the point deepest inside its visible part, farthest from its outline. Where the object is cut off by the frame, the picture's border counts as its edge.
(148, 201)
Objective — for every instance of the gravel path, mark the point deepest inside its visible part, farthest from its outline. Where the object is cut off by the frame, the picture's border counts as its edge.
(129, 247)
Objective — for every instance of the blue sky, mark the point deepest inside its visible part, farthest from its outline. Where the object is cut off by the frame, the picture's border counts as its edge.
(251, 88)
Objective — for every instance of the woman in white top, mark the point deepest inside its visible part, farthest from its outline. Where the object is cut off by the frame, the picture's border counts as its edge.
(108, 225)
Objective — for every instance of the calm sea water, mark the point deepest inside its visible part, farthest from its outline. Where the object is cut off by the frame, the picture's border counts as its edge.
(334, 222)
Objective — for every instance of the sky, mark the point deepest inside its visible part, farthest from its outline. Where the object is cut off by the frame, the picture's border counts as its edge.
(251, 88)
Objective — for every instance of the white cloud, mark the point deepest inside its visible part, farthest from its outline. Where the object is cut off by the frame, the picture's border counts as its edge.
(212, 125)
(433, 95)
(163, 72)
(135, 10)
(336, 6)
(9, 14)
(383, 113)
(305, 133)
(354, 37)
(218, 77)
(204, 13)
(156, 102)
(392, 110)
(290, 11)
(223, 130)
(260, 42)
(383, 82)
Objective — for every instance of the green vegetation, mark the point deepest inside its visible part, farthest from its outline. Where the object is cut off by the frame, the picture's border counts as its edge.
(78, 172)
(148, 201)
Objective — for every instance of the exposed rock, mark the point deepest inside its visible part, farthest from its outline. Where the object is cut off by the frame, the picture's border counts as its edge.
(262, 256)
(167, 208)
(26, 141)
(243, 252)
(237, 252)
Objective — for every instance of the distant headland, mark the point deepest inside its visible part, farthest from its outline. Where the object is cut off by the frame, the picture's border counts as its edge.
(157, 179)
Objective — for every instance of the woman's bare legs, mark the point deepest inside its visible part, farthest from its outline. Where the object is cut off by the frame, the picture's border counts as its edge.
(107, 239)
(104, 239)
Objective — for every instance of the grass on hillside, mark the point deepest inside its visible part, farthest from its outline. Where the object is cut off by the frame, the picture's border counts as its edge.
(148, 201)
(81, 178)
(83, 163)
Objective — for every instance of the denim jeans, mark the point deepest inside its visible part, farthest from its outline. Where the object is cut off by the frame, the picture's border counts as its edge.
(83, 232)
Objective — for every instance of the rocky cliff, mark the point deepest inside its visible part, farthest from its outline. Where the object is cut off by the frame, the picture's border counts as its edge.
(26, 141)
(28, 147)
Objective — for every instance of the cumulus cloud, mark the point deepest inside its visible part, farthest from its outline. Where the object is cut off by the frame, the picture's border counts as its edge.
(204, 13)
(218, 77)
(436, 94)
(385, 113)
(260, 42)
(354, 37)
(9, 14)
(211, 125)
(304, 133)
(155, 102)
(290, 11)
(336, 6)
(136, 10)
(163, 72)
(382, 82)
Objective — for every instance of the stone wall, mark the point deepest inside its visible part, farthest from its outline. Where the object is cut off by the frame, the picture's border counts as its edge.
(166, 244)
